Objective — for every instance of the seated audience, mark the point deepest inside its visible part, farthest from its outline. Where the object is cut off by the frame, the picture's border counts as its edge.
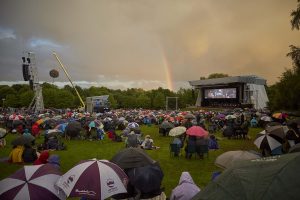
(186, 188)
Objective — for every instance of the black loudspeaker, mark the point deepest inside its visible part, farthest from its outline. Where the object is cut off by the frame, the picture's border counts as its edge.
(26, 75)
(31, 84)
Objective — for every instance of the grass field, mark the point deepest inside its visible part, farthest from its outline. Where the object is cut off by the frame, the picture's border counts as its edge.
(201, 170)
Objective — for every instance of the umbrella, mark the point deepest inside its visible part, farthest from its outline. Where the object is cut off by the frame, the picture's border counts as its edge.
(32, 182)
(61, 127)
(15, 117)
(221, 116)
(73, 129)
(280, 115)
(196, 131)
(179, 130)
(166, 125)
(230, 117)
(146, 179)
(133, 125)
(296, 121)
(271, 137)
(273, 177)
(189, 116)
(132, 158)
(23, 139)
(226, 159)
(93, 179)
(266, 118)
(295, 148)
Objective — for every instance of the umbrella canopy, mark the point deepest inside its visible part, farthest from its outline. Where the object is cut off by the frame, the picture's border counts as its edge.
(226, 159)
(295, 148)
(32, 182)
(230, 117)
(221, 116)
(73, 128)
(133, 125)
(132, 158)
(280, 115)
(146, 179)
(179, 130)
(196, 131)
(276, 131)
(266, 178)
(166, 125)
(23, 139)
(266, 118)
(189, 116)
(265, 139)
(61, 127)
(15, 117)
(93, 179)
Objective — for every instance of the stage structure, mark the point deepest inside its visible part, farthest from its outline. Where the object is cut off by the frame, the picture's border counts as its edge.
(234, 91)
(30, 74)
(98, 104)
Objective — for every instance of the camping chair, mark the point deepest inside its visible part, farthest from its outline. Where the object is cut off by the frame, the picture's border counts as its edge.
(175, 150)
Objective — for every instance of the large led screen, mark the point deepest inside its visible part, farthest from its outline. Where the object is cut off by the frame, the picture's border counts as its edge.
(223, 93)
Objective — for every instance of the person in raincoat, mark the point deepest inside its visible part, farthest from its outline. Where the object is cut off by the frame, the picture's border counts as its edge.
(54, 160)
(15, 155)
(42, 159)
(186, 189)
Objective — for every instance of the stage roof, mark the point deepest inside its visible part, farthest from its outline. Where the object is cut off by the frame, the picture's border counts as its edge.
(231, 79)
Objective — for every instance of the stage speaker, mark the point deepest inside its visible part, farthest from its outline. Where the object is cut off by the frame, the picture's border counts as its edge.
(26, 74)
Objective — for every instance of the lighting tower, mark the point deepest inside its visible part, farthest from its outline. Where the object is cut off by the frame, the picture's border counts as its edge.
(30, 74)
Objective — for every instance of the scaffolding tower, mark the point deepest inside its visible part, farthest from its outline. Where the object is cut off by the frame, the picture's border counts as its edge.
(37, 103)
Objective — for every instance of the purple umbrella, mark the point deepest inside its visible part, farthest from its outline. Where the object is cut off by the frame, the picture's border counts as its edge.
(93, 179)
(32, 182)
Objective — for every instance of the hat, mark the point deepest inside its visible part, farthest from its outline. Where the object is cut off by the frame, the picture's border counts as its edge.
(147, 136)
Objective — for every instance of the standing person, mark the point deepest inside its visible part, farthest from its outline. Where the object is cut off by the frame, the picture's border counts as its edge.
(186, 188)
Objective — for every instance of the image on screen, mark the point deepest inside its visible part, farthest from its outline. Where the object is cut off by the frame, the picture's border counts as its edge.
(224, 93)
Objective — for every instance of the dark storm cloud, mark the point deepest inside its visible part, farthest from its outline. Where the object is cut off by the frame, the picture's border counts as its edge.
(123, 42)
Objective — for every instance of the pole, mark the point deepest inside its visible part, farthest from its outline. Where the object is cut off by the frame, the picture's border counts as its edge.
(62, 66)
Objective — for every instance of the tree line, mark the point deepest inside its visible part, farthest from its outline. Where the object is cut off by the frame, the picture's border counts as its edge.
(20, 95)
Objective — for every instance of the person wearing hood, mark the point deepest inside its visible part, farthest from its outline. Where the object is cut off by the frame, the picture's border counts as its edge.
(54, 160)
(186, 189)
(42, 159)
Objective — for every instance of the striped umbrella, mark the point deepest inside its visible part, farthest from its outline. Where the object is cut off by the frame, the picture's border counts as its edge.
(32, 182)
(93, 179)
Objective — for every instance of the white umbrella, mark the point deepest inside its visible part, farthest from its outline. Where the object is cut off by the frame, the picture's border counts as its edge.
(93, 179)
(179, 130)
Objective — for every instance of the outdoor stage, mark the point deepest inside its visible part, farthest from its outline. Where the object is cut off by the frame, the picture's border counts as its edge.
(231, 92)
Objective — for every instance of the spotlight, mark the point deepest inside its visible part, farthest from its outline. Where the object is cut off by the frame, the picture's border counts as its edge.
(28, 60)
(23, 58)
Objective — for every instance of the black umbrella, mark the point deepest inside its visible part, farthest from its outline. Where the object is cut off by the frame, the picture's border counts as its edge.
(23, 139)
(73, 129)
(132, 158)
(146, 179)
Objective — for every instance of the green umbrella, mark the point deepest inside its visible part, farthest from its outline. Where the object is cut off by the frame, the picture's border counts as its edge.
(274, 177)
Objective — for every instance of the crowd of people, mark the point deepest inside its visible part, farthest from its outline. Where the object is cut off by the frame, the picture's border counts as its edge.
(234, 124)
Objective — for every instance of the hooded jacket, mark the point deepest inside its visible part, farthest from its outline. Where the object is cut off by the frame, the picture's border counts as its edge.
(42, 159)
(186, 189)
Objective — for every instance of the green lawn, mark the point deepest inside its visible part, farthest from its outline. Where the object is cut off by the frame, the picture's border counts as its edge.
(200, 170)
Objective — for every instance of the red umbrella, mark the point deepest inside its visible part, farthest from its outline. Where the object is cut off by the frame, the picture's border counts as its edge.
(196, 131)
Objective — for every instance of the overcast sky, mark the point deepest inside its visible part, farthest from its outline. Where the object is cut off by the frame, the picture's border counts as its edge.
(147, 43)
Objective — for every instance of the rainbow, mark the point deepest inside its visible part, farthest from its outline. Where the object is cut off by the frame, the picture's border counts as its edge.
(167, 67)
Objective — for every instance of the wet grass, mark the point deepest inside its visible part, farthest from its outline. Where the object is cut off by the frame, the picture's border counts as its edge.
(201, 170)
